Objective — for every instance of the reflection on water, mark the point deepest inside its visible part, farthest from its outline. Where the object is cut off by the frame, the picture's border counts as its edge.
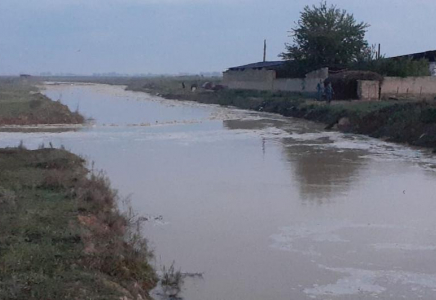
(234, 187)
(323, 174)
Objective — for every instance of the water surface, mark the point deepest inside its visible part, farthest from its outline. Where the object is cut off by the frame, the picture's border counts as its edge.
(265, 207)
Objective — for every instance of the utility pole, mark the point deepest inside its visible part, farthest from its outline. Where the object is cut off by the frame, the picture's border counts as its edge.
(379, 50)
(264, 50)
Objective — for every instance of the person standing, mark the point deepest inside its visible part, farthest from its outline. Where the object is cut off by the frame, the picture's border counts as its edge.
(329, 93)
(319, 90)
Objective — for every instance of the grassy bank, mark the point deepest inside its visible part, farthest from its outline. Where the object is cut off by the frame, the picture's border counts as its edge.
(61, 234)
(21, 103)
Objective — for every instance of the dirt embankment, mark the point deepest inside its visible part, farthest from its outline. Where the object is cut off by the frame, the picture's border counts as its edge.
(40, 110)
(61, 234)
(22, 104)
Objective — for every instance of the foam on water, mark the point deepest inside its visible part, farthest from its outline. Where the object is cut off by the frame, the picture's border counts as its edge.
(373, 282)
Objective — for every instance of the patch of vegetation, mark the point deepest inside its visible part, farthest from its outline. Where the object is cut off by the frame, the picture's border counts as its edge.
(394, 67)
(171, 281)
(22, 104)
(62, 235)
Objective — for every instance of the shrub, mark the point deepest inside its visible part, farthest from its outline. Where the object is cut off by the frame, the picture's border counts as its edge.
(171, 281)
(429, 115)
(395, 67)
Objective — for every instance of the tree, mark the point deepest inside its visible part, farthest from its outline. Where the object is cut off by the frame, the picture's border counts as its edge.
(326, 37)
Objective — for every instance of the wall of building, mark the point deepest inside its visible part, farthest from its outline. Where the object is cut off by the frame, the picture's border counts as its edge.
(249, 75)
(368, 90)
(260, 80)
(265, 80)
(301, 85)
(317, 74)
(249, 85)
(433, 68)
(420, 88)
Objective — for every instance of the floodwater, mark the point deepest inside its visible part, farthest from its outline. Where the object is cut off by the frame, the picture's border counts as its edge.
(264, 207)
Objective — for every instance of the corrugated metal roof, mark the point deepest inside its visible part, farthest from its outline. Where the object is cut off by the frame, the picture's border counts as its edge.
(260, 65)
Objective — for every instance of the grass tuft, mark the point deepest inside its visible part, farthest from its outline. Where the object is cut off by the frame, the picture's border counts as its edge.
(171, 281)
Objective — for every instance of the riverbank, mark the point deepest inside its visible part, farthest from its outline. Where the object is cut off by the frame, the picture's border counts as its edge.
(62, 235)
(406, 121)
(409, 122)
(21, 103)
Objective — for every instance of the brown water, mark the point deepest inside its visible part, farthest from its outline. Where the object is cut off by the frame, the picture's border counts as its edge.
(265, 207)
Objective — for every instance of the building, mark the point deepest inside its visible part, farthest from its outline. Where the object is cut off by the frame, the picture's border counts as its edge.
(262, 76)
(255, 76)
(265, 76)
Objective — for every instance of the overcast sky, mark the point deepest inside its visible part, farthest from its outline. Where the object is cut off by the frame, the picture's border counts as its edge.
(172, 36)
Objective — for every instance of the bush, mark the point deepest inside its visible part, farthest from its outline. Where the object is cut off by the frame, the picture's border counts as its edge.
(171, 281)
(429, 116)
(395, 67)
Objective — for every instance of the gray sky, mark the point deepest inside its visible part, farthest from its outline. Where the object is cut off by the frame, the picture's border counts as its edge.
(172, 36)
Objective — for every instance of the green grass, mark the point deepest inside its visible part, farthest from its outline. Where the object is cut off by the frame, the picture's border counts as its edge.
(61, 235)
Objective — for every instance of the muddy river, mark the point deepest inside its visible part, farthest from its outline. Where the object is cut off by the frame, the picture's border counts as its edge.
(265, 207)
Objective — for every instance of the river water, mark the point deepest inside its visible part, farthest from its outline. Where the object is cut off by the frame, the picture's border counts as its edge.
(265, 207)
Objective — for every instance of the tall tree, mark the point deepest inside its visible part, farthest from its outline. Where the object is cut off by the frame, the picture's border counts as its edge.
(326, 36)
